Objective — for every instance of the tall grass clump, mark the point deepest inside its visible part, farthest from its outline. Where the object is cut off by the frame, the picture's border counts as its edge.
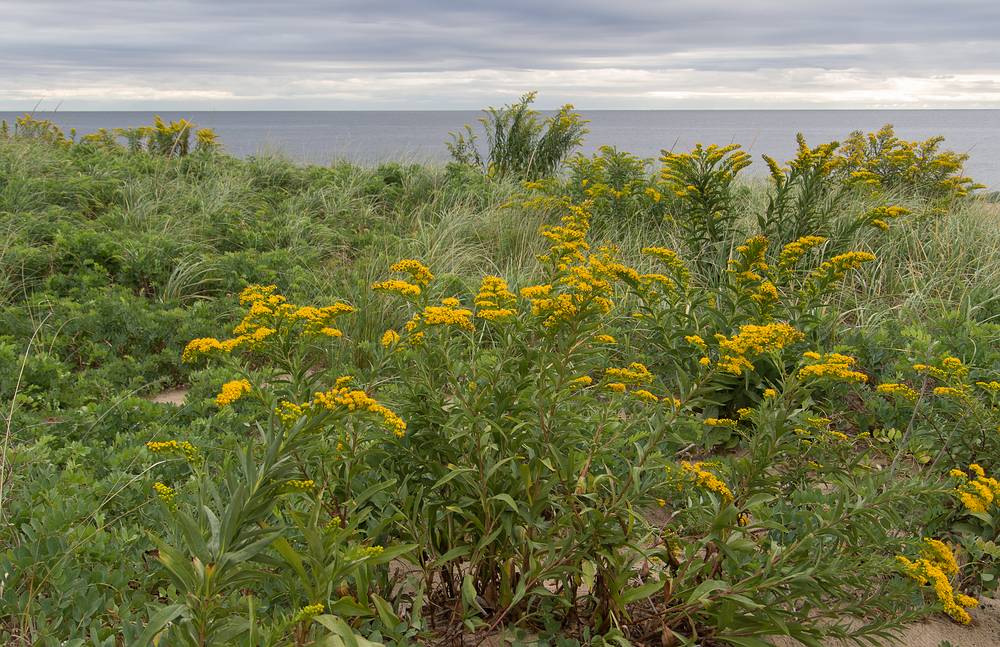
(519, 143)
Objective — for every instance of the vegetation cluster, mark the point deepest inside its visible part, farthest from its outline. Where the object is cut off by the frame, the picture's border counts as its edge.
(533, 397)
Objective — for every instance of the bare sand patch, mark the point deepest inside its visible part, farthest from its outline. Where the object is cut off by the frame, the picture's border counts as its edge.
(174, 397)
(983, 632)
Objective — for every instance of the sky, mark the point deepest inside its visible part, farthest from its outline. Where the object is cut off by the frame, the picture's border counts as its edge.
(416, 54)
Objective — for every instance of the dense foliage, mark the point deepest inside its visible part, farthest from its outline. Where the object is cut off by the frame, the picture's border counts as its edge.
(619, 404)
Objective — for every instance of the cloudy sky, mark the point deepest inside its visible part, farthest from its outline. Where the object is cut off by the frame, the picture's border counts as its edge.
(419, 54)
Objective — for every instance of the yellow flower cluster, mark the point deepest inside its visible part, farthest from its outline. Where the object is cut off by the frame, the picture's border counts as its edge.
(695, 340)
(634, 375)
(976, 494)
(736, 353)
(449, 313)
(342, 397)
(419, 273)
(267, 313)
(749, 260)
(182, 447)
(645, 396)
(232, 391)
(831, 366)
(605, 339)
(898, 390)
(992, 386)
(935, 566)
(288, 412)
(555, 308)
(951, 369)
(495, 301)
(670, 259)
(765, 294)
(838, 267)
(883, 160)
(255, 293)
(949, 391)
(729, 160)
(795, 250)
(568, 240)
(880, 216)
(308, 612)
(204, 346)
(300, 485)
(703, 478)
(389, 338)
(398, 286)
(721, 422)
(166, 493)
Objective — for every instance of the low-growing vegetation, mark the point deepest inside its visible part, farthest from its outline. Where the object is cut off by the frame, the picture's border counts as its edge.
(527, 398)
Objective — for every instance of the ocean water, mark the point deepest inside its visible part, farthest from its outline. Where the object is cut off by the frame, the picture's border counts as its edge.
(376, 136)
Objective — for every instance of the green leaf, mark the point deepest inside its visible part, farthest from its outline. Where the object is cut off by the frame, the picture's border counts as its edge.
(385, 612)
(703, 590)
(641, 592)
(158, 622)
(341, 630)
(506, 498)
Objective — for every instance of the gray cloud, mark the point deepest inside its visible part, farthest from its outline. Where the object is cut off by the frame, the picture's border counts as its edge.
(437, 54)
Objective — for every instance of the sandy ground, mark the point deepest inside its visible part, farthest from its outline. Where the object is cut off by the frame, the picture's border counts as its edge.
(983, 632)
(171, 396)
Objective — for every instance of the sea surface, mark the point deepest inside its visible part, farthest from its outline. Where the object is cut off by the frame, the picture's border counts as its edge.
(376, 136)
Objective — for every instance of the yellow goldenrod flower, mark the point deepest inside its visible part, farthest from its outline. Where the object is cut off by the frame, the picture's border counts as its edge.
(752, 341)
(232, 391)
(992, 386)
(200, 346)
(635, 374)
(976, 494)
(495, 301)
(288, 412)
(447, 314)
(645, 395)
(696, 340)
(301, 485)
(400, 287)
(932, 571)
(183, 447)
(389, 338)
(831, 366)
(342, 397)
(793, 251)
(898, 390)
(166, 494)
(949, 391)
(307, 613)
(770, 393)
(707, 480)
(419, 272)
